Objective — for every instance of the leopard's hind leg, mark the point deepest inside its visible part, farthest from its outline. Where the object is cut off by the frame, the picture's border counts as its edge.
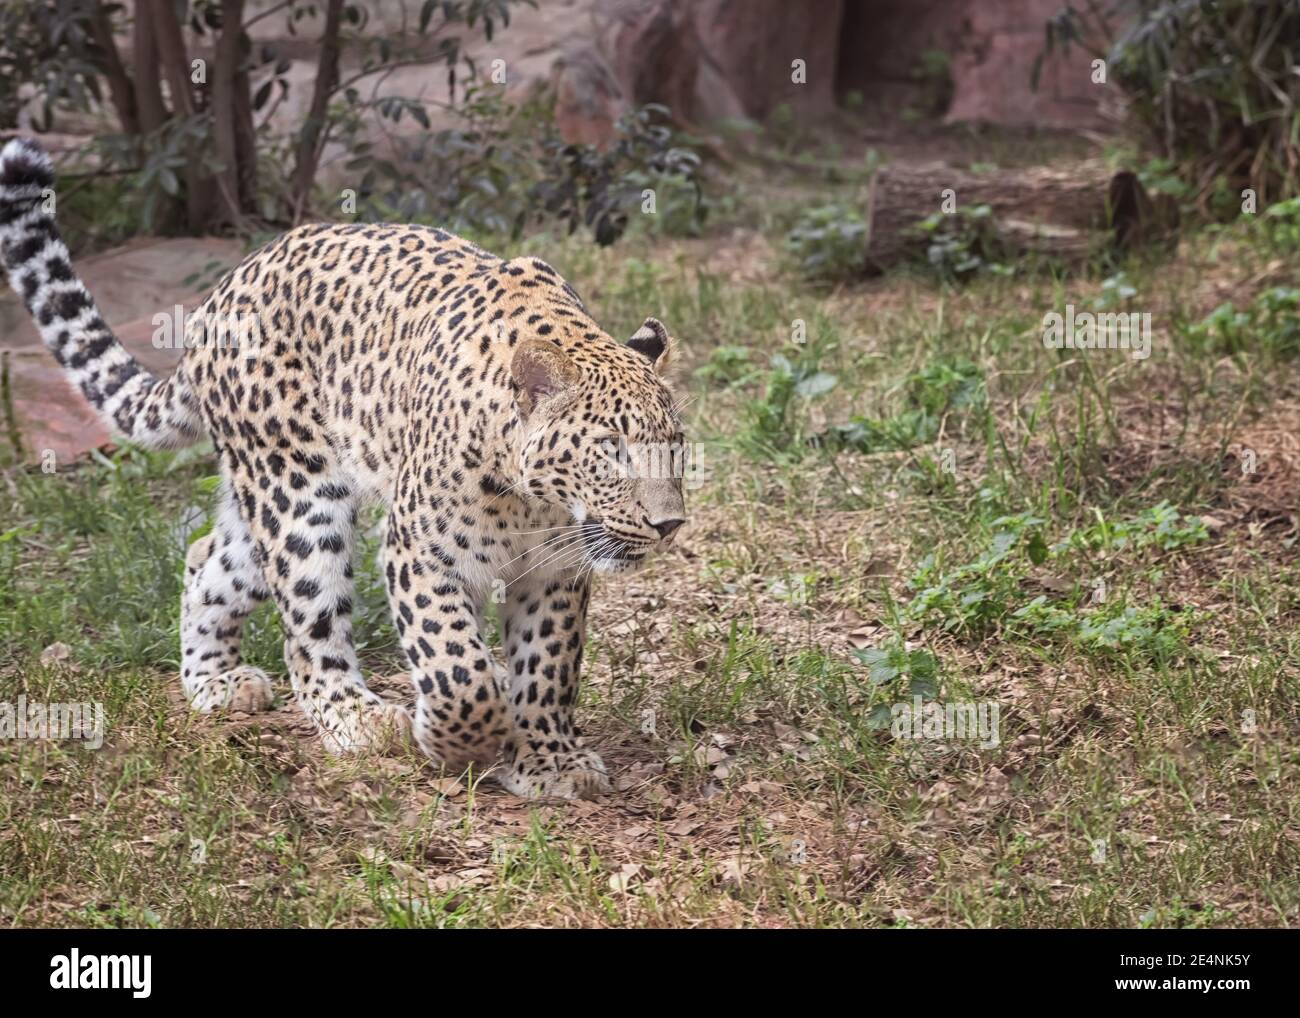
(223, 583)
(303, 520)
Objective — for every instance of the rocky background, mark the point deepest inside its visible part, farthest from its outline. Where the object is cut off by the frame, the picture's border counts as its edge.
(722, 59)
(712, 59)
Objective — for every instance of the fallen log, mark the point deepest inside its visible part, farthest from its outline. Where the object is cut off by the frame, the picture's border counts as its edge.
(1058, 212)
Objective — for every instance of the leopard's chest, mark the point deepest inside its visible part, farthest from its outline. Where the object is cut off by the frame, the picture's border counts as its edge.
(497, 542)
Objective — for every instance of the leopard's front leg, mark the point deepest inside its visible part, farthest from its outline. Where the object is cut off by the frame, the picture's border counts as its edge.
(544, 627)
(460, 711)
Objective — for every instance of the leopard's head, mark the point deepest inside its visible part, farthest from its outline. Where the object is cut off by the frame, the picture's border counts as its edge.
(603, 439)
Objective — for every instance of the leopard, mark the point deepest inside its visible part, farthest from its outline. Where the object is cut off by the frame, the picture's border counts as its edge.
(469, 401)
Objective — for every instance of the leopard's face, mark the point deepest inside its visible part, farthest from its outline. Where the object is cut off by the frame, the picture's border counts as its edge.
(605, 443)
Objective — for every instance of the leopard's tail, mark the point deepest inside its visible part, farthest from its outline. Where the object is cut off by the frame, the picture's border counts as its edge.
(156, 413)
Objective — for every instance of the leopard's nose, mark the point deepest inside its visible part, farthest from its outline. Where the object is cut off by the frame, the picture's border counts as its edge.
(666, 528)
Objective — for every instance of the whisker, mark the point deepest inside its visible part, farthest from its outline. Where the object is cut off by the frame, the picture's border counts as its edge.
(566, 544)
(603, 547)
(559, 557)
(549, 543)
(589, 567)
(544, 530)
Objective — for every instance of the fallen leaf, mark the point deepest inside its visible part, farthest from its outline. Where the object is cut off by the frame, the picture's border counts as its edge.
(622, 880)
(55, 653)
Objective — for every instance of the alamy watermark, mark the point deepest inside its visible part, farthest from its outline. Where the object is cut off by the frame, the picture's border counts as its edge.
(81, 722)
(656, 461)
(1098, 330)
(942, 721)
(75, 971)
(175, 330)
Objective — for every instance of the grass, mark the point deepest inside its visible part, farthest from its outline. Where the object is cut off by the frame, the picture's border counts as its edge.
(916, 499)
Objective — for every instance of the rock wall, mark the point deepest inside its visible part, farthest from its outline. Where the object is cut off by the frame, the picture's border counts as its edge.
(993, 62)
(708, 59)
(752, 46)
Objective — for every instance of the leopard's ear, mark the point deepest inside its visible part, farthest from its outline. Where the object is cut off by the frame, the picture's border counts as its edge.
(653, 342)
(541, 370)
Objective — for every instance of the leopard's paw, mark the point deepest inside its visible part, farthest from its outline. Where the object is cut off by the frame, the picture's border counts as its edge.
(244, 688)
(579, 774)
(375, 726)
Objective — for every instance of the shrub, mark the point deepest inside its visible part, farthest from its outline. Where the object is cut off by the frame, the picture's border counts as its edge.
(503, 164)
(1270, 324)
(963, 243)
(1211, 83)
(932, 393)
(772, 427)
(988, 594)
(1279, 226)
(829, 242)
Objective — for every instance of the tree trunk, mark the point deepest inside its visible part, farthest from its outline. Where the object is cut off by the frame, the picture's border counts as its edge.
(151, 113)
(231, 118)
(176, 69)
(171, 53)
(312, 139)
(245, 139)
(110, 65)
